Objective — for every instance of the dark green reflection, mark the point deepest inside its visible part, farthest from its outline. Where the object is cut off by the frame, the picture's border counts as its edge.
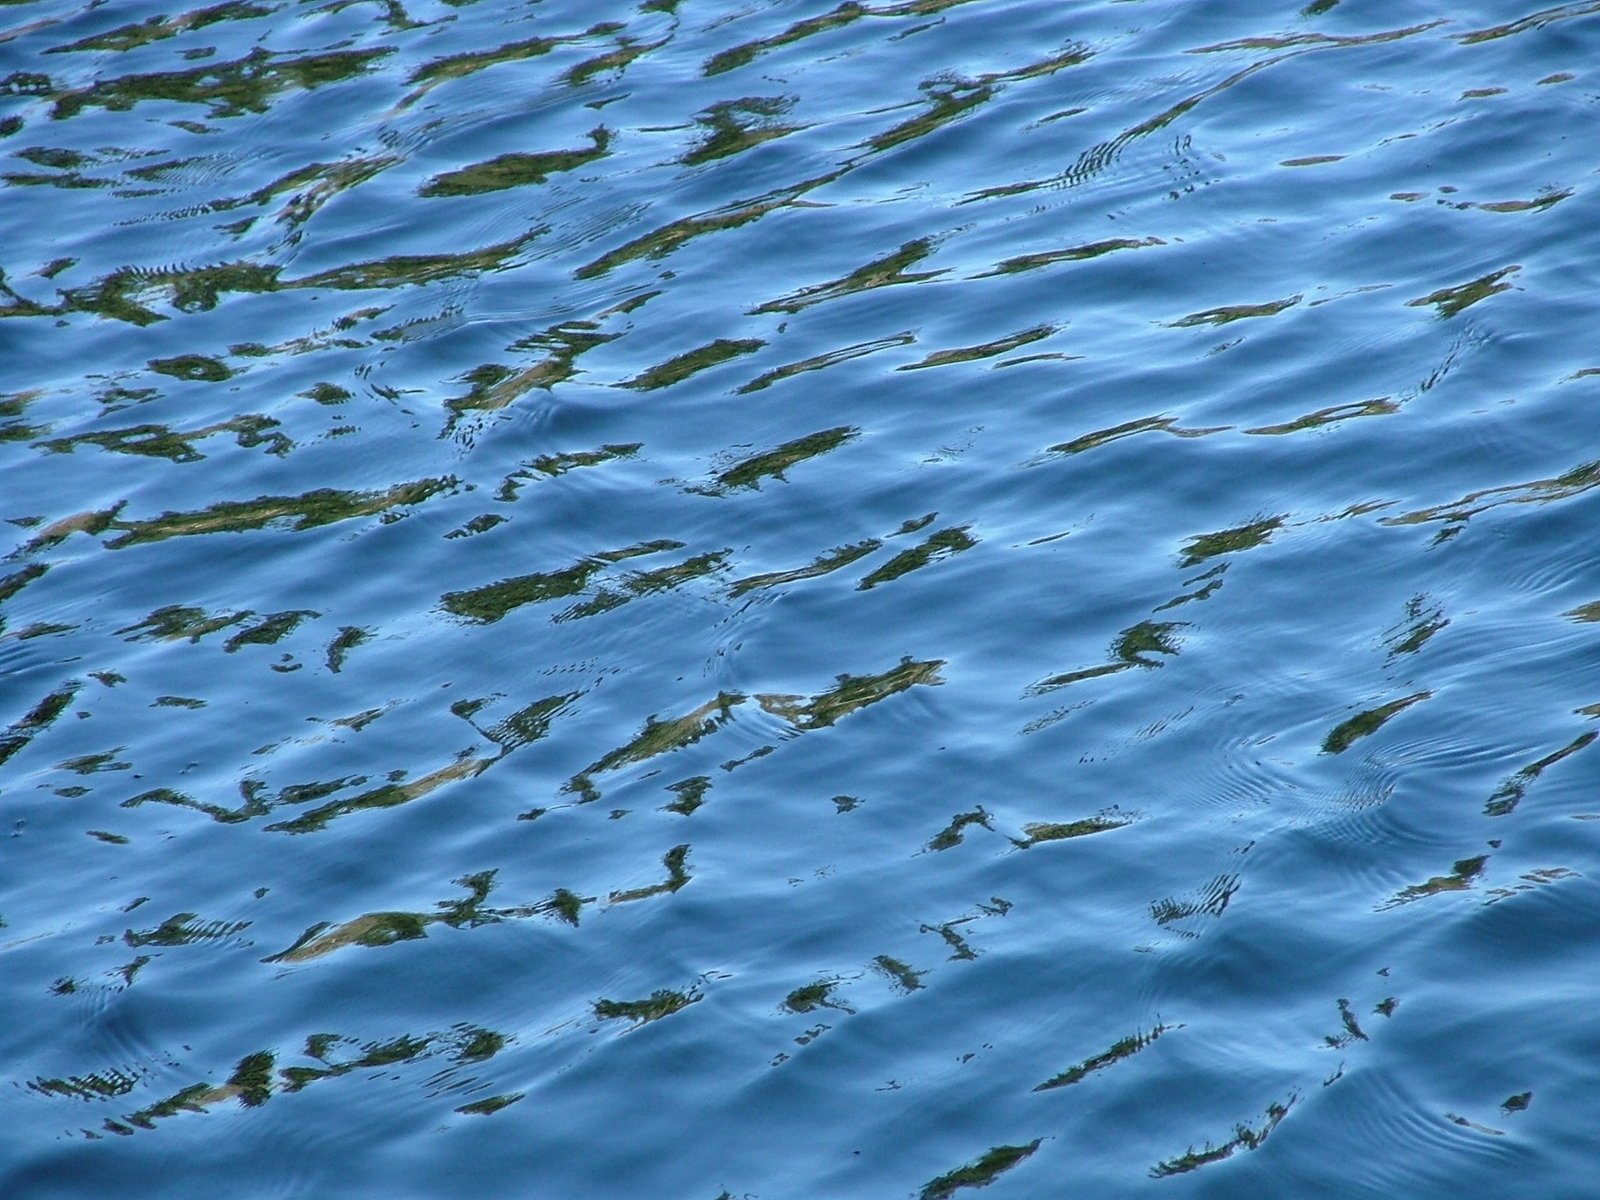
(660, 1003)
(517, 170)
(749, 472)
(980, 1172)
(1343, 734)
(1244, 1138)
(1125, 1048)
(851, 693)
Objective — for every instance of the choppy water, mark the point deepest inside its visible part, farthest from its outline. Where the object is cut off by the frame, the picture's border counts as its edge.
(700, 599)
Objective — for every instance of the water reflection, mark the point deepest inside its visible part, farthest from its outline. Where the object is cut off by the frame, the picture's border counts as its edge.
(593, 622)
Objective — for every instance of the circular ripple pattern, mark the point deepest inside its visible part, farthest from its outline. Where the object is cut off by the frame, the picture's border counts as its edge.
(713, 598)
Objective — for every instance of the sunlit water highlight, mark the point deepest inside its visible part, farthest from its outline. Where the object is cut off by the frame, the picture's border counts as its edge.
(690, 599)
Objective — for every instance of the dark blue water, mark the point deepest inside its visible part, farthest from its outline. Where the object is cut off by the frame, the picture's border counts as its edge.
(703, 599)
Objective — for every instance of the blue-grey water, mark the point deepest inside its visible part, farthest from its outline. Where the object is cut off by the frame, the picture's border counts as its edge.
(725, 598)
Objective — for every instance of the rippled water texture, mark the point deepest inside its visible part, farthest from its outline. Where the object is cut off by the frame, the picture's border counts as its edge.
(722, 598)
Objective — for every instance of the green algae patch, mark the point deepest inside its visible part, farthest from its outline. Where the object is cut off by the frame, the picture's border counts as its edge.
(516, 170)
(749, 472)
(565, 905)
(40, 717)
(660, 1003)
(692, 362)
(617, 59)
(1342, 735)
(746, 52)
(980, 1172)
(157, 441)
(851, 694)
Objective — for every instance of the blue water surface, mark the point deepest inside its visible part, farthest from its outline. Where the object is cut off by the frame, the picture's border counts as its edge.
(724, 598)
